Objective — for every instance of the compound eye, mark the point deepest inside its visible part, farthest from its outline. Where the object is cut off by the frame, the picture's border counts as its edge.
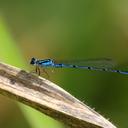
(33, 61)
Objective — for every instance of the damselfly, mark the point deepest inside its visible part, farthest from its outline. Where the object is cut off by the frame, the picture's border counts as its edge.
(52, 63)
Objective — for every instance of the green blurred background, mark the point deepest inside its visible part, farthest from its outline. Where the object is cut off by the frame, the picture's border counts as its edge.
(67, 30)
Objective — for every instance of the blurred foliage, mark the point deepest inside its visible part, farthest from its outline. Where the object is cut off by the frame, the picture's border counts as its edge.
(68, 30)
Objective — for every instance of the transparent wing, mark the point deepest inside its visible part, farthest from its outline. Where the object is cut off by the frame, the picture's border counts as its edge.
(123, 67)
(98, 62)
